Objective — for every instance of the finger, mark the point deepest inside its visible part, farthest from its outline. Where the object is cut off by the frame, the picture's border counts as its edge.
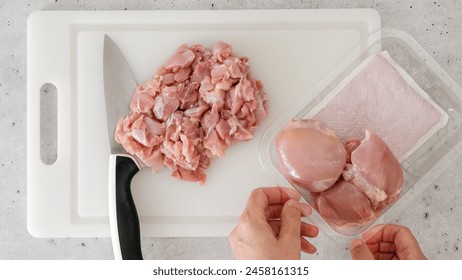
(383, 247)
(373, 247)
(307, 247)
(233, 239)
(374, 234)
(273, 211)
(360, 251)
(393, 232)
(262, 197)
(390, 231)
(382, 250)
(384, 256)
(308, 230)
(387, 233)
(291, 193)
(305, 229)
(290, 220)
(406, 245)
(275, 226)
(387, 247)
(306, 209)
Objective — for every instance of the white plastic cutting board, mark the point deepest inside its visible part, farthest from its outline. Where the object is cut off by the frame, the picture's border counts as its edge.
(289, 50)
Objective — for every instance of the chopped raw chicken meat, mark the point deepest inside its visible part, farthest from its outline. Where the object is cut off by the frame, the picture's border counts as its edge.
(199, 102)
(351, 183)
(181, 59)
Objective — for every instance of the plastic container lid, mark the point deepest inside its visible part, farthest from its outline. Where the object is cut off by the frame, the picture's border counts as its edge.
(423, 163)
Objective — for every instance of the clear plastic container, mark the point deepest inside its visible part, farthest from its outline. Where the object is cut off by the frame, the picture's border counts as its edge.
(422, 166)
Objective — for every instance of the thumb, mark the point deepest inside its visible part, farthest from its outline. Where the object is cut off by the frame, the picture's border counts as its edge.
(290, 220)
(360, 251)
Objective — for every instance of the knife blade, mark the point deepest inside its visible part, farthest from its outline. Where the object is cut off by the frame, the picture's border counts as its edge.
(119, 85)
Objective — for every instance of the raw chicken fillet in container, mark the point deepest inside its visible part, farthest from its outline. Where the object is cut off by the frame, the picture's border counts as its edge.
(350, 183)
(346, 151)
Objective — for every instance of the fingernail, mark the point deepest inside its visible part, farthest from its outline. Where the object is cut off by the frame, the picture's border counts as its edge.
(292, 203)
(306, 209)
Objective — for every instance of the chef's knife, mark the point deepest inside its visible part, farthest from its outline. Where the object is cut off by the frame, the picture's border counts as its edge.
(119, 86)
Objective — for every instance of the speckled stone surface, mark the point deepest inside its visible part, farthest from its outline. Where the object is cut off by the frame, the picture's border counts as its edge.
(434, 216)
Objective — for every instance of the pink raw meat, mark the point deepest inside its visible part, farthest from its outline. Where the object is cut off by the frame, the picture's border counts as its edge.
(372, 181)
(345, 205)
(311, 155)
(350, 183)
(200, 102)
(375, 171)
(380, 98)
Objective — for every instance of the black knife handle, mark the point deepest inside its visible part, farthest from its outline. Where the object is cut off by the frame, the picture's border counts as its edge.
(127, 221)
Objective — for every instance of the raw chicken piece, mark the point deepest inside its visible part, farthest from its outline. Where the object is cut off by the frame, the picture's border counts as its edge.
(182, 75)
(154, 159)
(199, 102)
(189, 175)
(375, 171)
(345, 205)
(144, 100)
(164, 106)
(350, 146)
(154, 127)
(181, 59)
(221, 51)
(311, 155)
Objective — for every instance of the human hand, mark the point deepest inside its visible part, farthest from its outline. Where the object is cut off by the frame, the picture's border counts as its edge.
(386, 242)
(271, 228)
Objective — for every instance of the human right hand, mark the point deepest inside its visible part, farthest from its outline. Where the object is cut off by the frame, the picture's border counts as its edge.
(386, 242)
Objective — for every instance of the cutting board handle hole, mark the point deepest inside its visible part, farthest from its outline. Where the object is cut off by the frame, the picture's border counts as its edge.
(48, 123)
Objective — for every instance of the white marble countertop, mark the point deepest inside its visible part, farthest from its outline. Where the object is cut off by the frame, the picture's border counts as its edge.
(434, 216)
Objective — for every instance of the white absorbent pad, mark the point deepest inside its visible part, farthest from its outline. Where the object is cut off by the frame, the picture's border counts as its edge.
(380, 96)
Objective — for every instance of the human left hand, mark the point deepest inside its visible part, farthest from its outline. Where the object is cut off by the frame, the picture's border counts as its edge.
(271, 228)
